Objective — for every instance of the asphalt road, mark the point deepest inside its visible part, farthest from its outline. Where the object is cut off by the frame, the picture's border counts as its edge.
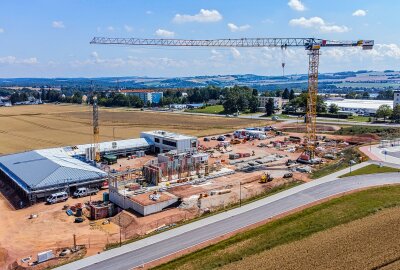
(175, 240)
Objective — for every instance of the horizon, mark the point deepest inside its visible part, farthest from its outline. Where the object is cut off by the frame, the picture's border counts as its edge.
(222, 75)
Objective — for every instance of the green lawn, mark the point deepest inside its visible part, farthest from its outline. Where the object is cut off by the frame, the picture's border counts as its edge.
(360, 118)
(215, 109)
(370, 169)
(384, 132)
(291, 228)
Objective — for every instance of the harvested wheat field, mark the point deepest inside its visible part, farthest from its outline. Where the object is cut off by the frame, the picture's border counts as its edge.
(368, 243)
(25, 128)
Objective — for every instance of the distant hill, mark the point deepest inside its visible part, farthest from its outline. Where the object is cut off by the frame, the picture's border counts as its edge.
(362, 79)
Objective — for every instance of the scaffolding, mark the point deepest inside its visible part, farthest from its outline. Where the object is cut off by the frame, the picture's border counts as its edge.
(174, 166)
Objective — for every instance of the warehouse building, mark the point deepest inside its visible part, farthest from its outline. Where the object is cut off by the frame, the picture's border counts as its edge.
(165, 141)
(365, 107)
(36, 174)
(39, 173)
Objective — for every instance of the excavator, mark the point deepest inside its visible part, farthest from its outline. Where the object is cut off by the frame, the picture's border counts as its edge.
(266, 177)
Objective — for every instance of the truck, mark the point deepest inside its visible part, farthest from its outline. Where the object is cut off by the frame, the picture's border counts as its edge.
(84, 191)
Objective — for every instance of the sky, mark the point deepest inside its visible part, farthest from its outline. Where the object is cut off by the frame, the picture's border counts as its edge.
(50, 38)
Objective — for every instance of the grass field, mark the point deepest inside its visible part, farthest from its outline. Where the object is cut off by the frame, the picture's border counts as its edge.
(246, 250)
(383, 132)
(25, 128)
(214, 109)
(370, 169)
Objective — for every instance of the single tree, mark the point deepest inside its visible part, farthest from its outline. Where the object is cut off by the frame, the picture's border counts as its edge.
(286, 94)
(384, 111)
(269, 107)
(333, 108)
(291, 95)
(396, 114)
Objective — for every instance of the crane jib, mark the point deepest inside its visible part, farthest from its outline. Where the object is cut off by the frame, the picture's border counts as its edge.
(307, 43)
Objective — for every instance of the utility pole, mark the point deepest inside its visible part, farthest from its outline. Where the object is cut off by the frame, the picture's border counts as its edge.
(240, 194)
(74, 242)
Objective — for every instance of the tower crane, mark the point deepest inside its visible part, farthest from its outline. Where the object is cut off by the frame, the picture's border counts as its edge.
(312, 45)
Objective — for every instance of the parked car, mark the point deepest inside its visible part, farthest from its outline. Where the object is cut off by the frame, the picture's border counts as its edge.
(83, 191)
(57, 197)
(213, 138)
(288, 175)
(221, 138)
(206, 139)
(275, 118)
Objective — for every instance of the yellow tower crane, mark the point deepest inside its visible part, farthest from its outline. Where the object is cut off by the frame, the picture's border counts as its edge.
(312, 45)
(96, 130)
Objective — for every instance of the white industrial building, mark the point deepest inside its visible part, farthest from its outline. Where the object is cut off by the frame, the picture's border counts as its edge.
(165, 141)
(359, 106)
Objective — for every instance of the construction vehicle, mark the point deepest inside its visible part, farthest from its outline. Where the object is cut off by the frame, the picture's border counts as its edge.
(312, 45)
(266, 177)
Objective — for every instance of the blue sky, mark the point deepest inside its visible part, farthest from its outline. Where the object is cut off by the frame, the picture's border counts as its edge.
(50, 38)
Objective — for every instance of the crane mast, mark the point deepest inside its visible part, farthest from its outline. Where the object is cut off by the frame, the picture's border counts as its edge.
(312, 45)
(96, 130)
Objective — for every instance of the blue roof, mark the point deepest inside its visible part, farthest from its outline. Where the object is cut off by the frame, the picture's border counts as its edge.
(46, 168)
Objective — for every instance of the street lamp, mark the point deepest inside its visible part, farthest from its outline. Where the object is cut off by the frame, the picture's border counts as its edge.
(240, 194)
(351, 162)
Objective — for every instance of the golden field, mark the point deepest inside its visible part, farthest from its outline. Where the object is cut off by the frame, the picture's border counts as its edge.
(368, 243)
(25, 128)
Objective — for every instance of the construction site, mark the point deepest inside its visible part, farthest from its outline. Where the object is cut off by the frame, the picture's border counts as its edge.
(126, 189)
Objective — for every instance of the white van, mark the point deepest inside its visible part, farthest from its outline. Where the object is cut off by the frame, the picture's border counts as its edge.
(57, 197)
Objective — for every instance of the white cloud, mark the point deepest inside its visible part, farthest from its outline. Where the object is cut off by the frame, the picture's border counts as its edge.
(58, 24)
(296, 5)
(128, 28)
(1, 30)
(165, 33)
(235, 53)
(94, 55)
(149, 12)
(12, 60)
(267, 21)
(235, 28)
(110, 28)
(360, 13)
(204, 16)
(319, 24)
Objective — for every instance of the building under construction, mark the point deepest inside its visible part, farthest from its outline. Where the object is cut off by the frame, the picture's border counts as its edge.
(175, 166)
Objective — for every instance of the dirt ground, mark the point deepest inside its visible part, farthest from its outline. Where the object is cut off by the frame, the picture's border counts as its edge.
(25, 128)
(368, 243)
(22, 237)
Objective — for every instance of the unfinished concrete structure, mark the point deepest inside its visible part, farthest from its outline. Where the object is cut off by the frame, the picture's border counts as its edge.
(126, 197)
(174, 166)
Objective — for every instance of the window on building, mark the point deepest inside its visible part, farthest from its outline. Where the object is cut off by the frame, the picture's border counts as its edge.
(169, 143)
(157, 140)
